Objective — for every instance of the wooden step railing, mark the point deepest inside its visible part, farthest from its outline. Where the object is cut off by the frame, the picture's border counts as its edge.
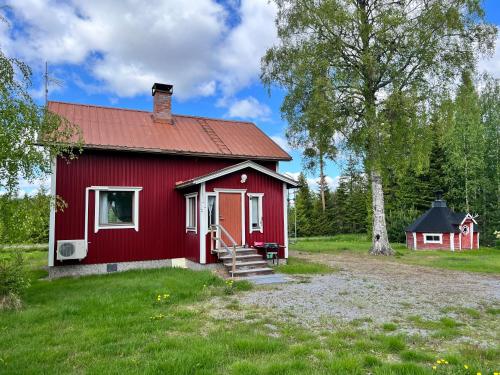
(217, 229)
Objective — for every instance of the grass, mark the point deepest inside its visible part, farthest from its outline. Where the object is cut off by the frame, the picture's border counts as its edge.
(116, 324)
(302, 267)
(484, 260)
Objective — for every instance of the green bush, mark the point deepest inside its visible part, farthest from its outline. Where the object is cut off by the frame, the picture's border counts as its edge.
(13, 280)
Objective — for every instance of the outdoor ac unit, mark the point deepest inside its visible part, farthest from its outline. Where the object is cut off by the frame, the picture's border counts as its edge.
(71, 249)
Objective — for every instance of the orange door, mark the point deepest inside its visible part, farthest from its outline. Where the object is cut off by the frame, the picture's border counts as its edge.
(230, 216)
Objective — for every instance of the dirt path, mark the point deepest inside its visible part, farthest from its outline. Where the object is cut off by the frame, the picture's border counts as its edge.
(380, 290)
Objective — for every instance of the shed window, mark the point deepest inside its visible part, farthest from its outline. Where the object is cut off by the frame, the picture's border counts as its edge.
(255, 214)
(191, 212)
(117, 208)
(433, 238)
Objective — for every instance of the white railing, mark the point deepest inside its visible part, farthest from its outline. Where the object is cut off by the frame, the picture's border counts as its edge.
(229, 250)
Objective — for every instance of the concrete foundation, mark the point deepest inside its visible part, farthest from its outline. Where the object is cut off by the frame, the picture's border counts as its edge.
(77, 270)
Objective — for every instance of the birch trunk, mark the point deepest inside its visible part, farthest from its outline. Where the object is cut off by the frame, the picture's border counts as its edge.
(322, 182)
(380, 241)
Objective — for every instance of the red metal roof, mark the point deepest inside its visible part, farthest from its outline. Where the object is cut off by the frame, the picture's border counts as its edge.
(125, 129)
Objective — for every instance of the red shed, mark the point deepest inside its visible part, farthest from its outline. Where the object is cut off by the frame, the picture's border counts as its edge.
(156, 189)
(439, 228)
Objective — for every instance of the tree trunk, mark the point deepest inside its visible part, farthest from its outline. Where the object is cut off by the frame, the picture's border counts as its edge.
(322, 182)
(380, 241)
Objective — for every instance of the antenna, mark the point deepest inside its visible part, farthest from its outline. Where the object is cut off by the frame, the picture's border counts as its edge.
(49, 81)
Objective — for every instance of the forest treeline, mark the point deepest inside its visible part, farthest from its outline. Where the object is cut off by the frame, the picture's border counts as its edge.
(463, 163)
(24, 220)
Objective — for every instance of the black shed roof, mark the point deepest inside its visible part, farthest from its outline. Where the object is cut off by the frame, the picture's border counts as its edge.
(438, 219)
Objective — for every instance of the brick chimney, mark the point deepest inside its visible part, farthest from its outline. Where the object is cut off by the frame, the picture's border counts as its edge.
(162, 102)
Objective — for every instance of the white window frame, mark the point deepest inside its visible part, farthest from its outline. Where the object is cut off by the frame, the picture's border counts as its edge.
(188, 197)
(260, 197)
(440, 241)
(215, 213)
(135, 207)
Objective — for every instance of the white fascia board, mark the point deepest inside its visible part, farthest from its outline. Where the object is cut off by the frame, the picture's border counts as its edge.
(238, 167)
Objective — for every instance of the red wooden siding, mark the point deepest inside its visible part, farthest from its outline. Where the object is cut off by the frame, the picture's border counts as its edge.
(272, 206)
(409, 240)
(161, 232)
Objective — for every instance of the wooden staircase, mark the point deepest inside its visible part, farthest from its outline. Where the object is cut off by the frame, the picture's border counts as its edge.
(240, 261)
(248, 262)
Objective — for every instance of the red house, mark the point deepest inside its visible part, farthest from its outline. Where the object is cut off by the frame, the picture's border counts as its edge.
(439, 228)
(154, 189)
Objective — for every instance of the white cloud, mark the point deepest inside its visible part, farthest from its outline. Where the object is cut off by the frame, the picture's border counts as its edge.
(333, 182)
(491, 65)
(281, 141)
(249, 108)
(129, 45)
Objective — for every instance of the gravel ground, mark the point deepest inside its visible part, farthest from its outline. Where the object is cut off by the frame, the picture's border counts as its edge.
(377, 289)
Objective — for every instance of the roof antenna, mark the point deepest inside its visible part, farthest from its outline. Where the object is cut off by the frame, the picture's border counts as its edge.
(49, 81)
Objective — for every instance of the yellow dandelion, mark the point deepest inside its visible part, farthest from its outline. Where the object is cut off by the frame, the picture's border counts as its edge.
(445, 362)
(478, 373)
(466, 367)
(434, 367)
(438, 361)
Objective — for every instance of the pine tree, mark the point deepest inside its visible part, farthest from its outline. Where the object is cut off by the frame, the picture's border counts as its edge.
(489, 219)
(304, 207)
(465, 149)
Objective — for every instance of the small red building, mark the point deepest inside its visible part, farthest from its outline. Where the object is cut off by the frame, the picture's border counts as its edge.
(439, 228)
(151, 188)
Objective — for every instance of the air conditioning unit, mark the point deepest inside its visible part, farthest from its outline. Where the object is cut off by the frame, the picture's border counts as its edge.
(71, 249)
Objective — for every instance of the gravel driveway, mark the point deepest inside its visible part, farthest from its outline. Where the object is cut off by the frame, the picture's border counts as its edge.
(381, 290)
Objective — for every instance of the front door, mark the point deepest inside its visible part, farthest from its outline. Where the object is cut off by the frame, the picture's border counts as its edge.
(230, 216)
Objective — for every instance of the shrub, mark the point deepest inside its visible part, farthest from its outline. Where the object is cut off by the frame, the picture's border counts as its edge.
(13, 280)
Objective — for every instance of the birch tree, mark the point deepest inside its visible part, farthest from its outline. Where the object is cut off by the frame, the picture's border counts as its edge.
(385, 59)
(312, 123)
(30, 136)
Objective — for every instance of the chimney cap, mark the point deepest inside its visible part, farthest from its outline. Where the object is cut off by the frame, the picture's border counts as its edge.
(162, 87)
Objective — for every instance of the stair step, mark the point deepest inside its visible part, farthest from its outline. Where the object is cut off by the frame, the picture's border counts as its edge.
(252, 271)
(242, 251)
(241, 257)
(251, 263)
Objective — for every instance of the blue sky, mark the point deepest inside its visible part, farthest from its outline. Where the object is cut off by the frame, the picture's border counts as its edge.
(111, 52)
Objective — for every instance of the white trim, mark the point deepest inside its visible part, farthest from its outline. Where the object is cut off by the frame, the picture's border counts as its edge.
(241, 191)
(135, 207)
(468, 216)
(52, 220)
(203, 224)
(478, 240)
(242, 197)
(235, 168)
(216, 195)
(285, 218)
(460, 241)
(414, 241)
(472, 235)
(116, 188)
(187, 197)
(261, 222)
(452, 241)
(433, 234)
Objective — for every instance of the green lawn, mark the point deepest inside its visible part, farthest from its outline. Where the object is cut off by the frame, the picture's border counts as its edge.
(483, 260)
(302, 267)
(116, 324)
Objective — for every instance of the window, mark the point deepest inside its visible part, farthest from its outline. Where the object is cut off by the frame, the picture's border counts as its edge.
(433, 238)
(116, 208)
(191, 210)
(211, 211)
(255, 214)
